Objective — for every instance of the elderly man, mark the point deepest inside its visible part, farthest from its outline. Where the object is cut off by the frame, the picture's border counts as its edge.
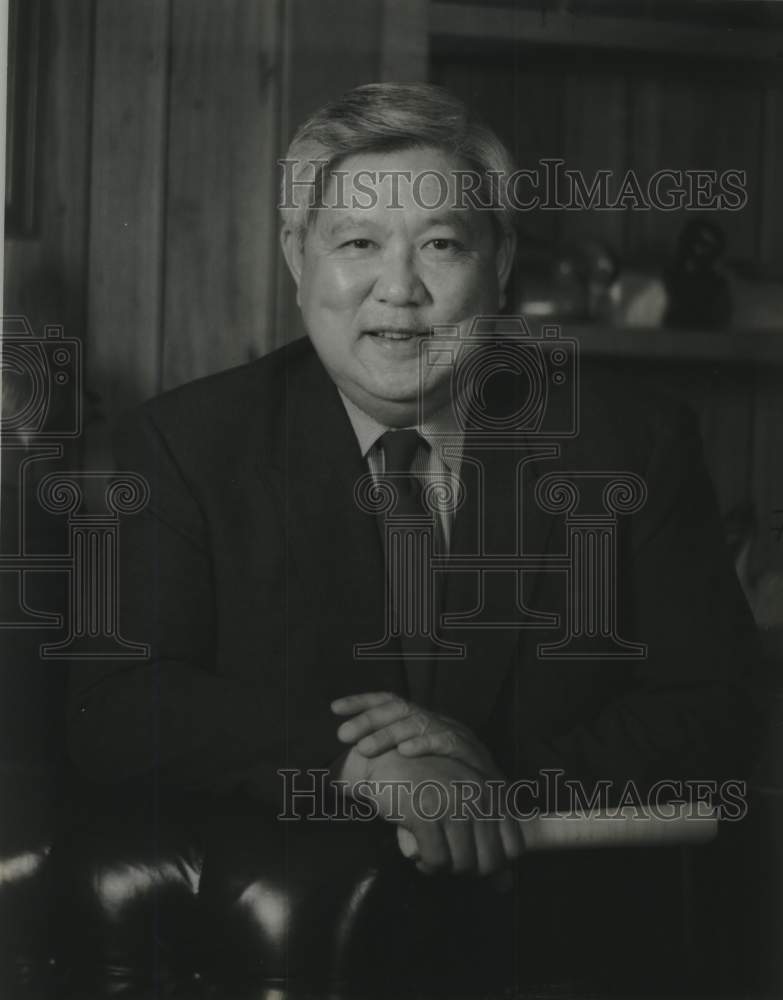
(261, 582)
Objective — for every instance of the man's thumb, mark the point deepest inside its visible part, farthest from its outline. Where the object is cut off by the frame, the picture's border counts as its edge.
(407, 843)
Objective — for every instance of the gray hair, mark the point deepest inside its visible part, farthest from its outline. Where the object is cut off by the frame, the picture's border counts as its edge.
(389, 117)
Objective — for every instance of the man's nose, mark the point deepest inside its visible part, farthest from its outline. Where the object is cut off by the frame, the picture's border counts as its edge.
(399, 283)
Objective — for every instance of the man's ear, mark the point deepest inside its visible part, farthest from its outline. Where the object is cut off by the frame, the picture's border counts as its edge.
(293, 250)
(504, 259)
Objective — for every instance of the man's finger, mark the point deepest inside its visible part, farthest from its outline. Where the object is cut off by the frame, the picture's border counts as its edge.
(502, 880)
(434, 851)
(407, 843)
(444, 744)
(394, 734)
(462, 846)
(380, 741)
(374, 719)
(353, 703)
(490, 854)
(512, 838)
(409, 848)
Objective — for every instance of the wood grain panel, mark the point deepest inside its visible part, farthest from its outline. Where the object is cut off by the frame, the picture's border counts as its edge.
(329, 47)
(220, 208)
(45, 275)
(730, 138)
(332, 46)
(595, 128)
(521, 98)
(492, 22)
(707, 121)
(771, 194)
(665, 113)
(768, 466)
(126, 200)
(404, 41)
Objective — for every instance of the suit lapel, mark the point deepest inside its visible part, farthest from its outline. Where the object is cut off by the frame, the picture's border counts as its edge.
(485, 615)
(499, 518)
(336, 561)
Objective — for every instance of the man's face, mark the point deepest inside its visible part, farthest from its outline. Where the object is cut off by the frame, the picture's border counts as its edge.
(373, 281)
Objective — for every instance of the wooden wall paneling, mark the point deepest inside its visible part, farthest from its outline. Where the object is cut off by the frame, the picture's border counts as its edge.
(45, 274)
(639, 32)
(771, 195)
(404, 41)
(488, 87)
(126, 201)
(537, 122)
(521, 98)
(698, 120)
(768, 466)
(663, 116)
(332, 46)
(595, 129)
(329, 47)
(728, 139)
(221, 186)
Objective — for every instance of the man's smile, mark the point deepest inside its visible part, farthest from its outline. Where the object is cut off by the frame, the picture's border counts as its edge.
(396, 343)
(396, 333)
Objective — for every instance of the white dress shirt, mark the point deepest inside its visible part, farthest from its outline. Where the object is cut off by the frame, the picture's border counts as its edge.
(444, 457)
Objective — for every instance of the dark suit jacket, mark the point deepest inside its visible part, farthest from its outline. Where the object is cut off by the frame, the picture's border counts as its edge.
(252, 574)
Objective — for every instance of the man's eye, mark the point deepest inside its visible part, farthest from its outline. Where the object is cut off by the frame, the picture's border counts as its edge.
(445, 243)
(358, 244)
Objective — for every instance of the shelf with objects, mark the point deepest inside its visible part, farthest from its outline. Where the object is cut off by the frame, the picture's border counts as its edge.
(693, 309)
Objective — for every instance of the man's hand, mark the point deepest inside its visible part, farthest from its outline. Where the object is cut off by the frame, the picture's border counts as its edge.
(442, 834)
(382, 721)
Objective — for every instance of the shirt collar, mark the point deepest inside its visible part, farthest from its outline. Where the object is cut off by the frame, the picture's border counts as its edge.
(437, 426)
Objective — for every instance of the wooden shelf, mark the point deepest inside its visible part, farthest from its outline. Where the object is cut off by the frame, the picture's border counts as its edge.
(485, 22)
(757, 347)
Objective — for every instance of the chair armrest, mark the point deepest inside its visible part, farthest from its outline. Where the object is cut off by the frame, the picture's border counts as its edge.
(26, 836)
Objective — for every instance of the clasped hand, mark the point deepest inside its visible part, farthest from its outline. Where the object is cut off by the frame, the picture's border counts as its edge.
(393, 740)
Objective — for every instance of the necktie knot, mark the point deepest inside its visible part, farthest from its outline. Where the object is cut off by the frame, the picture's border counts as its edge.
(399, 449)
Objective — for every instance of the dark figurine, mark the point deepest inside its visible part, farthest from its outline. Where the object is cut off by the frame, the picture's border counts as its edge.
(698, 292)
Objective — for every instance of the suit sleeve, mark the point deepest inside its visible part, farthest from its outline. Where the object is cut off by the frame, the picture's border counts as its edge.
(170, 714)
(688, 713)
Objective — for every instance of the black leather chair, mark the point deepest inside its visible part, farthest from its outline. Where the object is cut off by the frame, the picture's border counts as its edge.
(133, 893)
(110, 895)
